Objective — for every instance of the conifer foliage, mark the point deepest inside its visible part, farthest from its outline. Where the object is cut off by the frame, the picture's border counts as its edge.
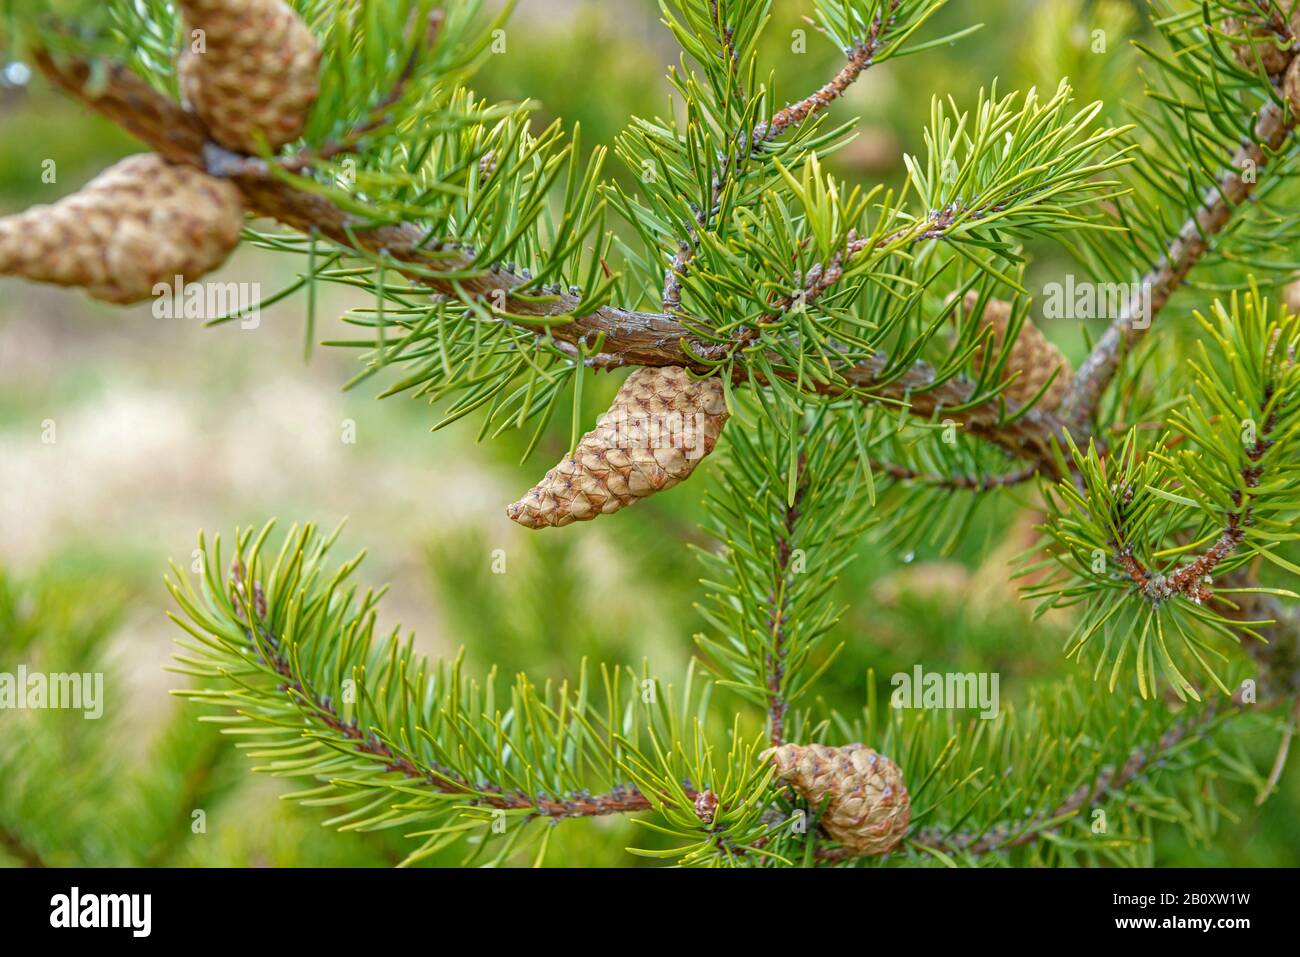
(869, 349)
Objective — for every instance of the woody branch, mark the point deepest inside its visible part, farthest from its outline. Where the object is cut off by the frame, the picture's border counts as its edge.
(630, 337)
(1196, 238)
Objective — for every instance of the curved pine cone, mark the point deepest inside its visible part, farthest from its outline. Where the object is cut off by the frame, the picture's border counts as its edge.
(257, 71)
(868, 810)
(1032, 355)
(660, 425)
(137, 224)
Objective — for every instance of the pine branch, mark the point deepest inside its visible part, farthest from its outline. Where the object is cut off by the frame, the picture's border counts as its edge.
(786, 511)
(785, 279)
(672, 297)
(1107, 784)
(286, 648)
(1149, 525)
(778, 613)
(859, 61)
(440, 779)
(380, 113)
(1220, 203)
(627, 337)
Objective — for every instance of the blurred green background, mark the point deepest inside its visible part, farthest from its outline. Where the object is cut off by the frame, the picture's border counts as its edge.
(162, 427)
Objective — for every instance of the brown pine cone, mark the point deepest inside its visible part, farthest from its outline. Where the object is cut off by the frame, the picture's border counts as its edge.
(258, 71)
(1274, 49)
(661, 424)
(868, 810)
(1291, 86)
(137, 224)
(1032, 356)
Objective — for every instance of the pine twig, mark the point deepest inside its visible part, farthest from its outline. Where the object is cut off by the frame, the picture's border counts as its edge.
(777, 620)
(795, 114)
(1188, 579)
(1274, 126)
(378, 114)
(859, 60)
(1006, 836)
(621, 800)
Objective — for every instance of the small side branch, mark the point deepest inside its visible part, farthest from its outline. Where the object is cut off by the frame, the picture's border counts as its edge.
(1188, 581)
(1194, 240)
(378, 116)
(1005, 837)
(1191, 580)
(859, 60)
(620, 800)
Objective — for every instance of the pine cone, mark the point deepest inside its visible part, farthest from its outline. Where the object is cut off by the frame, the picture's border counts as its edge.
(1032, 356)
(1266, 39)
(1291, 86)
(139, 223)
(869, 808)
(258, 71)
(661, 424)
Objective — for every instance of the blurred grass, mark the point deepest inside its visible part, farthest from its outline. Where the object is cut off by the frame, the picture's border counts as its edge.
(164, 427)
